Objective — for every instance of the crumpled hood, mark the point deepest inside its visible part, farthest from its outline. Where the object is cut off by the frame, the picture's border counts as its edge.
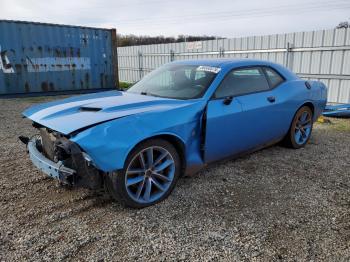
(71, 114)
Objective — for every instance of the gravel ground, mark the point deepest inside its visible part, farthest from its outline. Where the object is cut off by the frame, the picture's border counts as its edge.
(276, 204)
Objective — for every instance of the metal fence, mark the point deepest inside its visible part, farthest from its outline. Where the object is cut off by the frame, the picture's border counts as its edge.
(322, 55)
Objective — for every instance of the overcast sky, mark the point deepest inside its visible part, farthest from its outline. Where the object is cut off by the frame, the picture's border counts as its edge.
(227, 18)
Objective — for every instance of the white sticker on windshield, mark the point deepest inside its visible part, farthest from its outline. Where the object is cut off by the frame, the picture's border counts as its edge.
(211, 69)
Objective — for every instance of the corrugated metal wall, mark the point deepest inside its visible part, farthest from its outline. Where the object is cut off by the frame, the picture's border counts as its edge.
(321, 55)
(39, 57)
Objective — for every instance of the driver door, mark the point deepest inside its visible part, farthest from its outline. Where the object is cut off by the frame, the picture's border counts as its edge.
(238, 115)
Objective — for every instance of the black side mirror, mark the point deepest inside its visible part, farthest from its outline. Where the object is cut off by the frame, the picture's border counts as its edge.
(228, 100)
(8, 66)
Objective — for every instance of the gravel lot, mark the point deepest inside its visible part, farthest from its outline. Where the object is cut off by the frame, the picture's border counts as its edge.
(276, 204)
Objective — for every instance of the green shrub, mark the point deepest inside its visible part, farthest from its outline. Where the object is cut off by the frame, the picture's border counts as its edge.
(124, 85)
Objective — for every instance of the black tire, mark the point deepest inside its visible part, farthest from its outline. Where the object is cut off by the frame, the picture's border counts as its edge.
(290, 140)
(116, 181)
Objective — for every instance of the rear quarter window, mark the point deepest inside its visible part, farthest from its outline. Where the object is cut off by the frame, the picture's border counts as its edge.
(274, 78)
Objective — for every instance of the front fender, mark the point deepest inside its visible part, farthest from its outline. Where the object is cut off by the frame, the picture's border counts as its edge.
(109, 143)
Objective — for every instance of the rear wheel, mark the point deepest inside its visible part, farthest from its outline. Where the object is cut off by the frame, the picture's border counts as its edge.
(149, 175)
(300, 129)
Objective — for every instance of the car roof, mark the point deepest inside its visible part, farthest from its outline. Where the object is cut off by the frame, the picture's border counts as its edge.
(222, 62)
(231, 63)
(205, 62)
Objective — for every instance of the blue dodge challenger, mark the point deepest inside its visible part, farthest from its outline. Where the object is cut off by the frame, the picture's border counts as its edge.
(174, 121)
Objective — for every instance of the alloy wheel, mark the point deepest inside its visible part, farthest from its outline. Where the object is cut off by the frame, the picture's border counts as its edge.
(149, 174)
(303, 128)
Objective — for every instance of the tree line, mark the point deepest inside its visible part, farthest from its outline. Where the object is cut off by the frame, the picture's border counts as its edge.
(132, 40)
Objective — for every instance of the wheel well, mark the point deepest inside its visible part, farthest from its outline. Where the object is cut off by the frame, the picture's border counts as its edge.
(177, 143)
(310, 105)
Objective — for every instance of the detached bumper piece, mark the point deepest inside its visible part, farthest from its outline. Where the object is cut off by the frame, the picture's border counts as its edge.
(73, 169)
(342, 110)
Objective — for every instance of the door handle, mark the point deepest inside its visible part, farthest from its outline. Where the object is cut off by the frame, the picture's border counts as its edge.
(228, 100)
(271, 99)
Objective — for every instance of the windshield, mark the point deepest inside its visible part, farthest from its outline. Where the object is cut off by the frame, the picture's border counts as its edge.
(176, 81)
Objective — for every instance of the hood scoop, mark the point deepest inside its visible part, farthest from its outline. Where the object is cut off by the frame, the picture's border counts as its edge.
(89, 109)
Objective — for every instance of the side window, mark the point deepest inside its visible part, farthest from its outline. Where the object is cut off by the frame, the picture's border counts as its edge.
(274, 77)
(242, 81)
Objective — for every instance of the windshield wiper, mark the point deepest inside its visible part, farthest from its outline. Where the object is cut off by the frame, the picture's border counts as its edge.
(149, 94)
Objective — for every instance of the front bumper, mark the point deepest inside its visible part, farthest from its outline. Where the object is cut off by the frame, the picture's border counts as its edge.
(56, 170)
(76, 169)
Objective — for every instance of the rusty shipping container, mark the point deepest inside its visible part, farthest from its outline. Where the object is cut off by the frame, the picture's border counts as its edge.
(38, 57)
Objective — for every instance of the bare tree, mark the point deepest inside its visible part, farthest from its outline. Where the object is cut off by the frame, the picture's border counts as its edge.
(344, 24)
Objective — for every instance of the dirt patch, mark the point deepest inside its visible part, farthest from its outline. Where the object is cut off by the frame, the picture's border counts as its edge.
(276, 204)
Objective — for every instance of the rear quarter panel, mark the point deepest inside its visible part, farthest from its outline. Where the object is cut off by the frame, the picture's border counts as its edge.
(299, 94)
(318, 97)
(290, 96)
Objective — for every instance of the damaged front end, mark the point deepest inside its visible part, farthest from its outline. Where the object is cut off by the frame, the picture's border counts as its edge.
(57, 156)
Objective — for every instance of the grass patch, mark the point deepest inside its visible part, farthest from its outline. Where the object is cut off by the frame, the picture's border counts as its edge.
(124, 85)
(339, 124)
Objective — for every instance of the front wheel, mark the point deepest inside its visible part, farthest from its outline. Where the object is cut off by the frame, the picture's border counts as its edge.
(149, 175)
(300, 129)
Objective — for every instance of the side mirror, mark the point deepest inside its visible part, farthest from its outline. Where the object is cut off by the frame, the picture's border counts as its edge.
(228, 100)
(7, 66)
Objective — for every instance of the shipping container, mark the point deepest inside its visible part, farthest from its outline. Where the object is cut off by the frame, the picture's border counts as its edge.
(39, 57)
